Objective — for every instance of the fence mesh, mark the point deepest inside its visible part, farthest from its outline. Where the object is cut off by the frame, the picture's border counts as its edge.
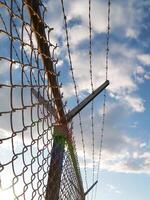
(26, 122)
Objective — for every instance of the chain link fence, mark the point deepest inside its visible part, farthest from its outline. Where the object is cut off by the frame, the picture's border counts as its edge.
(27, 117)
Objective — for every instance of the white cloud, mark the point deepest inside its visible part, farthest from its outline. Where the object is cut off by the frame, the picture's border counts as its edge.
(136, 103)
(60, 63)
(112, 188)
(131, 33)
(28, 40)
(99, 15)
(140, 70)
(78, 34)
(68, 90)
(122, 85)
(126, 163)
(79, 10)
(54, 16)
(123, 161)
(144, 59)
(127, 159)
(139, 74)
(143, 144)
(147, 76)
(120, 73)
(2, 35)
(5, 66)
(121, 152)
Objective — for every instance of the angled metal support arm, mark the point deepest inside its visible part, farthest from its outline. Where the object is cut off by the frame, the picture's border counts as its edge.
(90, 188)
(88, 99)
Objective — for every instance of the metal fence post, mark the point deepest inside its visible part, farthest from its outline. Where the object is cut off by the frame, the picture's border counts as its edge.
(55, 171)
(61, 131)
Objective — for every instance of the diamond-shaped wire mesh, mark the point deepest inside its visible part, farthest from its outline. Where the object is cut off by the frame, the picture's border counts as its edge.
(26, 123)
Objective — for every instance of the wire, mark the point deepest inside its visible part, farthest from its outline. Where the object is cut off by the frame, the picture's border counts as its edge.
(75, 89)
(28, 125)
(104, 98)
(92, 89)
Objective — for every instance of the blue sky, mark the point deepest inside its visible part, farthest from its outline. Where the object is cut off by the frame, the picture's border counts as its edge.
(125, 164)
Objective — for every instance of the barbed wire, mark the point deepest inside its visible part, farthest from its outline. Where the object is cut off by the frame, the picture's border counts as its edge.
(92, 89)
(108, 38)
(104, 99)
(75, 89)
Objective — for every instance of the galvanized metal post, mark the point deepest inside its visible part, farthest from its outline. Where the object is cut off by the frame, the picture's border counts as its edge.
(54, 176)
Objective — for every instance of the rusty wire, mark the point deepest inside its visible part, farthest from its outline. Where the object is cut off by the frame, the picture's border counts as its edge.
(25, 122)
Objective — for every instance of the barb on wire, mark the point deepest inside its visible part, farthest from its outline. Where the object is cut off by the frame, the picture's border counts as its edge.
(75, 88)
(104, 99)
(91, 82)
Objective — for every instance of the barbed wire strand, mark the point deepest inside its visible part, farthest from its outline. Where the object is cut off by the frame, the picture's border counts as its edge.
(92, 89)
(104, 98)
(75, 89)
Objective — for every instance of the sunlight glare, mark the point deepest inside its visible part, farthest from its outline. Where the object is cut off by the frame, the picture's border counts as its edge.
(5, 195)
